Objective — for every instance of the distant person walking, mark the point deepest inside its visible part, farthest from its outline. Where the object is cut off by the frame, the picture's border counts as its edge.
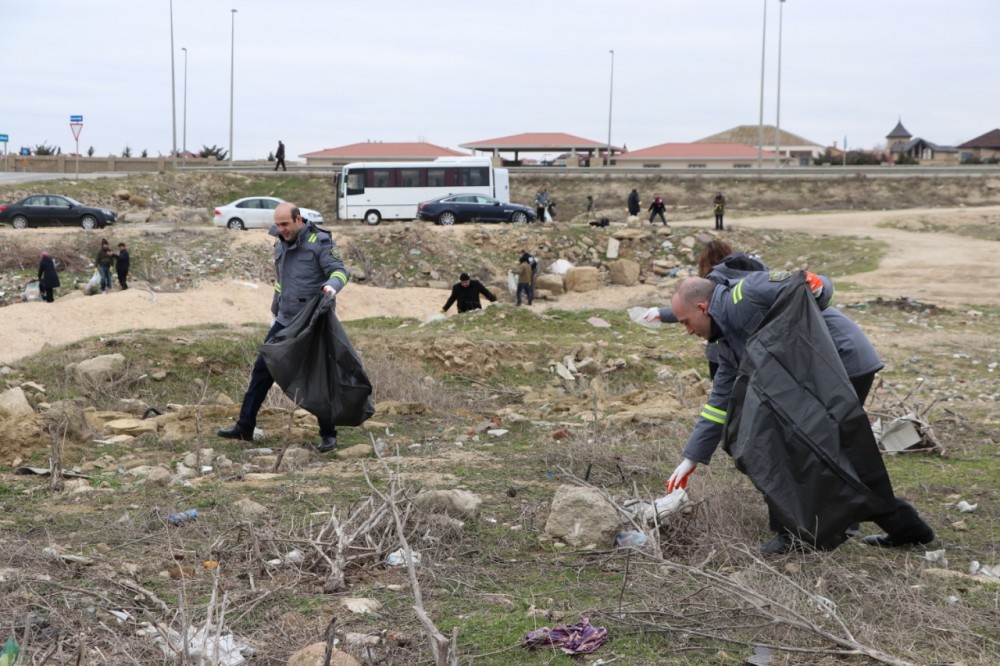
(634, 205)
(103, 261)
(122, 265)
(279, 156)
(658, 208)
(542, 202)
(720, 209)
(466, 294)
(48, 278)
(525, 275)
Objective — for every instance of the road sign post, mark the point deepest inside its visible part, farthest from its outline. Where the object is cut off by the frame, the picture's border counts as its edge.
(3, 139)
(76, 125)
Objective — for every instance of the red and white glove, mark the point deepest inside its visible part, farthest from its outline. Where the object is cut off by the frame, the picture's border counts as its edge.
(329, 291)
(652, 314)
(815, 284)
(679, 479)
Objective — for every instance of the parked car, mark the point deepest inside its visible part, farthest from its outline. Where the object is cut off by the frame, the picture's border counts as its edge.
(45, 210)
(454, 208)
(256, 213)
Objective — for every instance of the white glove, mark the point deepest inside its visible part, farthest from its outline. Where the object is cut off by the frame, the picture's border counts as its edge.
(329, 291)
(679, 479)
(652, 314)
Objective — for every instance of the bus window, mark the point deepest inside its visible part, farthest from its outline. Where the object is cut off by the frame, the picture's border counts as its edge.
(380, 177)
(409, 177)
(356, 181)
(474, 176)
(435, 178)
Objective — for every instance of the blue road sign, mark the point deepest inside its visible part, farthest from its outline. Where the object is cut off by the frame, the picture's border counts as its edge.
(76, 119)
(3, 138)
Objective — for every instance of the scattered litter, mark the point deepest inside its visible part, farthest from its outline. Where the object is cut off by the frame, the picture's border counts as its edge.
(246, 284)
(45, 471)
(965, 507)
(206, 469)
(294, 557)
(660, 508)
(899, 434)
(204, 645)
(397, 558)
(210, 564)
(936, 556)
(582, 638)
(977, 569)
(57, 552)
(182, 517)
(511, 283)
(497, 432)
(761, 656)
(631, 539)
(638, 315)
(597, 322)
(436, 317)
(10, 652)
(121, 615)
(559, 267)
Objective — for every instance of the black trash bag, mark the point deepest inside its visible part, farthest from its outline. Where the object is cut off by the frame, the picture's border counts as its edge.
(796, 428)
(314, 363)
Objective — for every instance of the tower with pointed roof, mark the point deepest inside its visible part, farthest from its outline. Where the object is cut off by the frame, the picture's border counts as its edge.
(897, 138)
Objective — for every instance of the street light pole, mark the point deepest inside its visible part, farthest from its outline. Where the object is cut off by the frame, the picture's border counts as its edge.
(760, 121)
(611, 96)
(777, 122)
(232, 63)
(184, 140)
(173, 86)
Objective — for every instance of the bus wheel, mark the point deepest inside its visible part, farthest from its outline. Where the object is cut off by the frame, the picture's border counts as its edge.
(373, 217)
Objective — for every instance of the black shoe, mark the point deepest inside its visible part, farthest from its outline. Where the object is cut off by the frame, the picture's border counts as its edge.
(327, 444)
(779, 544)
(853, 531)
(236, 433)
(885, 541)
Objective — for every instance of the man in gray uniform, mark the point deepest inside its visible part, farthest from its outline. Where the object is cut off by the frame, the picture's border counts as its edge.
(729, 314)
(306, 261)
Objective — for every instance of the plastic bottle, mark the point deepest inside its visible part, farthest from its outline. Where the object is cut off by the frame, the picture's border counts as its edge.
(183, 517)
(630, 539)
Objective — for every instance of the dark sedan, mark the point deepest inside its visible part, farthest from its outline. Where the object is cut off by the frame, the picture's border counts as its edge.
(45, 210)
(472, 208)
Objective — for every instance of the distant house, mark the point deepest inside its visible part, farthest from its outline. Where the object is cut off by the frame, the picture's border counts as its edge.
(792, 148)
(900, 143)
(984, 147)
(695, 156)
(378, 151)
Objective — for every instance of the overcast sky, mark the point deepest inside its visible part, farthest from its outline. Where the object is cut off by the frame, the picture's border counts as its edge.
(324, 73)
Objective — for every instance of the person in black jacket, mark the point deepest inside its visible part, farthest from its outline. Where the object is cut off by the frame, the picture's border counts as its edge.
(634, 205)
(466, 294)
(279, 157)
(658, 208)
(48, 278)
(122, 265)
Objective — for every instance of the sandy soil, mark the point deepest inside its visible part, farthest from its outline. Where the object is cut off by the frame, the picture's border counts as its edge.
(934, 267)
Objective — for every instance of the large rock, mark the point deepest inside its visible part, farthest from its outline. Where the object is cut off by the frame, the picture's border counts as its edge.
(624, 271)
(312, 655)
(550, 283)
(134, 427)
(581, 517)
(13, 403)
(22, 437)
(98, 370)
(67, 417)
(583, 278)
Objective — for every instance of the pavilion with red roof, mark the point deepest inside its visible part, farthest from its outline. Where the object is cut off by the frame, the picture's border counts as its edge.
(541, 142)
(379, 151)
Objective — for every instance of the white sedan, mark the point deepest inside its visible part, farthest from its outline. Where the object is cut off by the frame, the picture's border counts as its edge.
(256, 213)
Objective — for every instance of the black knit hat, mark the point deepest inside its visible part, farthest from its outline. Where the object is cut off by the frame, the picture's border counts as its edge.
(463, 277)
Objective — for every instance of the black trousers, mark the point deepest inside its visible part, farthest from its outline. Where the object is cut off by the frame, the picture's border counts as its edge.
(123, 279)
(261, 382)
(280, 163)
(718, 220)
(47, 294)
(653, 215)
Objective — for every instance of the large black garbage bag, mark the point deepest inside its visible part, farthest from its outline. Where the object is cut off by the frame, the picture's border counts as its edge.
(314, 363)
(796, 428)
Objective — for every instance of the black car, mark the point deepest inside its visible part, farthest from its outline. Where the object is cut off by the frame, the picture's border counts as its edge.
(472, 208)
(45, 210)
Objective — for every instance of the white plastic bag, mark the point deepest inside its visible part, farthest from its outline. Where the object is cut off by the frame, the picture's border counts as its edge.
(638, 314)
(94, 284)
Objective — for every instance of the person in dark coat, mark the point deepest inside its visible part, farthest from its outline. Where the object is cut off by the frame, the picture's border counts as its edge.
(658, 208)
(48, 278)
(634, 205)
(122, 265)
(719, 204)
(103, 260)
(466, 294)
(279, 157)
(728, 314)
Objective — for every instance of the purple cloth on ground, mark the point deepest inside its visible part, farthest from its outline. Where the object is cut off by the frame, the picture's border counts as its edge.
(579, 638)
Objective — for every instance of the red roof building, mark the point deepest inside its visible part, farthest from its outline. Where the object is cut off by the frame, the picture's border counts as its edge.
(540, 142)
(378, 151)
(694, 156)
